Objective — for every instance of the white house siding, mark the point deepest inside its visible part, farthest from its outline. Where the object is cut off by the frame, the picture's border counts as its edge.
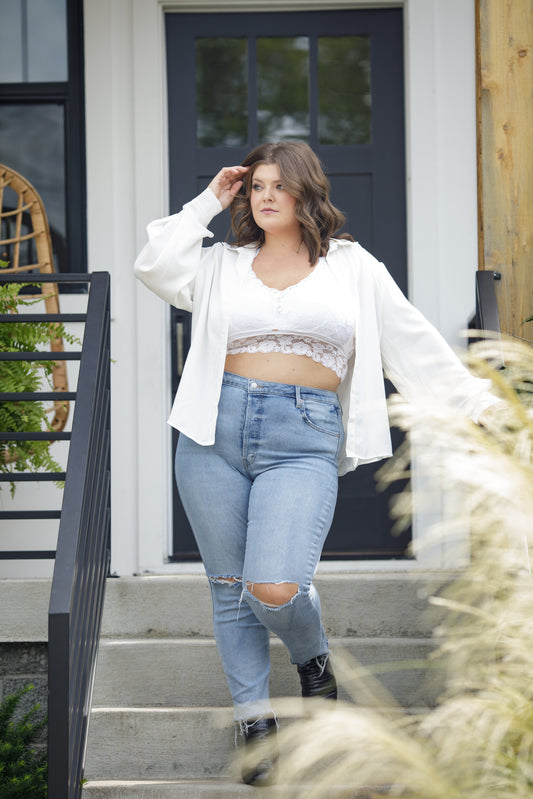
(127, 180)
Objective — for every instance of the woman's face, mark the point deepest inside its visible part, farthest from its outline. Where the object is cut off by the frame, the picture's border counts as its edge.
(273, 208)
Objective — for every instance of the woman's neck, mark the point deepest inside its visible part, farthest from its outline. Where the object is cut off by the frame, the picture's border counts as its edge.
(283, 246)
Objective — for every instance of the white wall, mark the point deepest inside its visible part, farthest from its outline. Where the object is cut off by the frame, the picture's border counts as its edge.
(441, 155)
(111, 209)
(127, 186)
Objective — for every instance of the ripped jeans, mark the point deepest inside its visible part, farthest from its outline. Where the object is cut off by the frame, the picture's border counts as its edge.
(260, 502)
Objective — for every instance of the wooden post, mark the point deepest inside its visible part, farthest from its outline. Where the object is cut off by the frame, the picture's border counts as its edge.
(504, 63)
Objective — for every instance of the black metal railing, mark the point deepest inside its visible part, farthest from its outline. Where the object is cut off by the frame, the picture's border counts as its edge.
(487, 315)
(83, 545)
(486, 323)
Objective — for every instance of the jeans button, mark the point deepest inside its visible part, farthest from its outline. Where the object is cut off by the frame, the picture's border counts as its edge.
(253, 384)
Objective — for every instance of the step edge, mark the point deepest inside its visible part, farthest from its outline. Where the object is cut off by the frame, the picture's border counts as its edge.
(182, 710)
(107, 643)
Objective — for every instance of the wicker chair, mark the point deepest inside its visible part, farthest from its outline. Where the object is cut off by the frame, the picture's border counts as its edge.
(25, 243)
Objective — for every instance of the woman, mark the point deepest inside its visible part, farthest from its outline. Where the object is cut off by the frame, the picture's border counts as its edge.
(282, 391)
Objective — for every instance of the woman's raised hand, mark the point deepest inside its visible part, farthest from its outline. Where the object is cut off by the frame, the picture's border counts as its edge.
(227, 183)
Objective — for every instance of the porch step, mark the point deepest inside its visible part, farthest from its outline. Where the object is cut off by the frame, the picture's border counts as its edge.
(187, 672)
(191, 789)
(353, 604)
(159, 743)
(175, 789)
(160, 724)
(173, 743)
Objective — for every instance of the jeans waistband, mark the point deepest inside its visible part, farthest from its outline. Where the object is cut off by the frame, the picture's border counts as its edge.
(253, 385)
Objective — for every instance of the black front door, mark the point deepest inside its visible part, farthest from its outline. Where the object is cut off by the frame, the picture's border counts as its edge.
(335, 80)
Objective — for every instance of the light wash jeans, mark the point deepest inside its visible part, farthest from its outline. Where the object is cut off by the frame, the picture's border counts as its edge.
(260, 502)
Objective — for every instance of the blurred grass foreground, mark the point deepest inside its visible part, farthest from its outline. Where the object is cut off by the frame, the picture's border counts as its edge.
(477, 743)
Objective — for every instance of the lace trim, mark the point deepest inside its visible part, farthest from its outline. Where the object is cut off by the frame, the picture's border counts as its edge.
(319, 351)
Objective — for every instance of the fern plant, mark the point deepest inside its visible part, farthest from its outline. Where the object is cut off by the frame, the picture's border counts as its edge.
(23, 768)
(28, 376)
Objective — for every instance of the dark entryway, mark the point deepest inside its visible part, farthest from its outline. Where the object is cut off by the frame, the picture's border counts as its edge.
(335, 80)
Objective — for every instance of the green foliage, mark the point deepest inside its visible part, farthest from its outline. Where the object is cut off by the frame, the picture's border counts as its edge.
(23, 769)
(25, 416)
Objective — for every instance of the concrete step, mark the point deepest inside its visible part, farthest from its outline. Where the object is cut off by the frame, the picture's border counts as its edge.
(187, 672)
(353, 604)
(24, 606)
(157, 726)
(167, 744)
(160, 743)
(193, 789)
(177, 789)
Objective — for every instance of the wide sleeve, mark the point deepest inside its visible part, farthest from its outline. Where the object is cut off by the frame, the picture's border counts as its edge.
(417, 358)
(169, 262)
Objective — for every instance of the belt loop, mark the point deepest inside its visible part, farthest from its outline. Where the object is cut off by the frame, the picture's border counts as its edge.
(298, 397)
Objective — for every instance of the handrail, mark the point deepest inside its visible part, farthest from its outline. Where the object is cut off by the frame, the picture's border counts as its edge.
(83, 548)
(487, 316)
(487, 320)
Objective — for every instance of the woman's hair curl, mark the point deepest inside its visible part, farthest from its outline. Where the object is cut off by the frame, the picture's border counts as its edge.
(303, 177)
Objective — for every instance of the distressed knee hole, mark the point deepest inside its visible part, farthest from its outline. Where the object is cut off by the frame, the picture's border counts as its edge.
(273, 594)
(225, 580)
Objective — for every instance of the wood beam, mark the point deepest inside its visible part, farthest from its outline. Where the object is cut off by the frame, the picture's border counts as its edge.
(504, 64)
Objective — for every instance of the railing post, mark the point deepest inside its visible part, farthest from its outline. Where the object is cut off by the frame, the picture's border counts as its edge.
(82, 557)
(83, 546)
(487, 316)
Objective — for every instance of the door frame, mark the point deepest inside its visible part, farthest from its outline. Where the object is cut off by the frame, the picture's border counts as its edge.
(373, 174)
(441, 226)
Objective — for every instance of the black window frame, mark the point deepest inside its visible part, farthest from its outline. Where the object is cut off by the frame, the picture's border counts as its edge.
(70, 95)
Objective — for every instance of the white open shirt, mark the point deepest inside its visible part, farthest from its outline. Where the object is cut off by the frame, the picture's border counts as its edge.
(391, 335)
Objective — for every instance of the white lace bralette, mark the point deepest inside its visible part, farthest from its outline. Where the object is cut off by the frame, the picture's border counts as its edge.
(312, 318)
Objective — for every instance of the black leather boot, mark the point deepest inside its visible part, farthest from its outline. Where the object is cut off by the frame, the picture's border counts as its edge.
(261, 751)
(317, 678)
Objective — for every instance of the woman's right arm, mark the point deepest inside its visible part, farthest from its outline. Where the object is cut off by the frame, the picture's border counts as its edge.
(168, 263)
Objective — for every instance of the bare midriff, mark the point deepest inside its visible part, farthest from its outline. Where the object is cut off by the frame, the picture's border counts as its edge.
(280, 367)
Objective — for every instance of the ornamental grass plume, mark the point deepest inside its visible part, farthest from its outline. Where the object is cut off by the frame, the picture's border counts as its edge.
(477, 743)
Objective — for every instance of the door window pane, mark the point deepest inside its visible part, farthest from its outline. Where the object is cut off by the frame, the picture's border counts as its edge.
(33, 41)
(47, 38)
(221, 92)
(283, 88)
(32, 143)
(10, 42)
(344, 91)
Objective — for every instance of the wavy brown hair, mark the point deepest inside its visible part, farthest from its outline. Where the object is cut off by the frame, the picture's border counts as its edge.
(303, 177)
